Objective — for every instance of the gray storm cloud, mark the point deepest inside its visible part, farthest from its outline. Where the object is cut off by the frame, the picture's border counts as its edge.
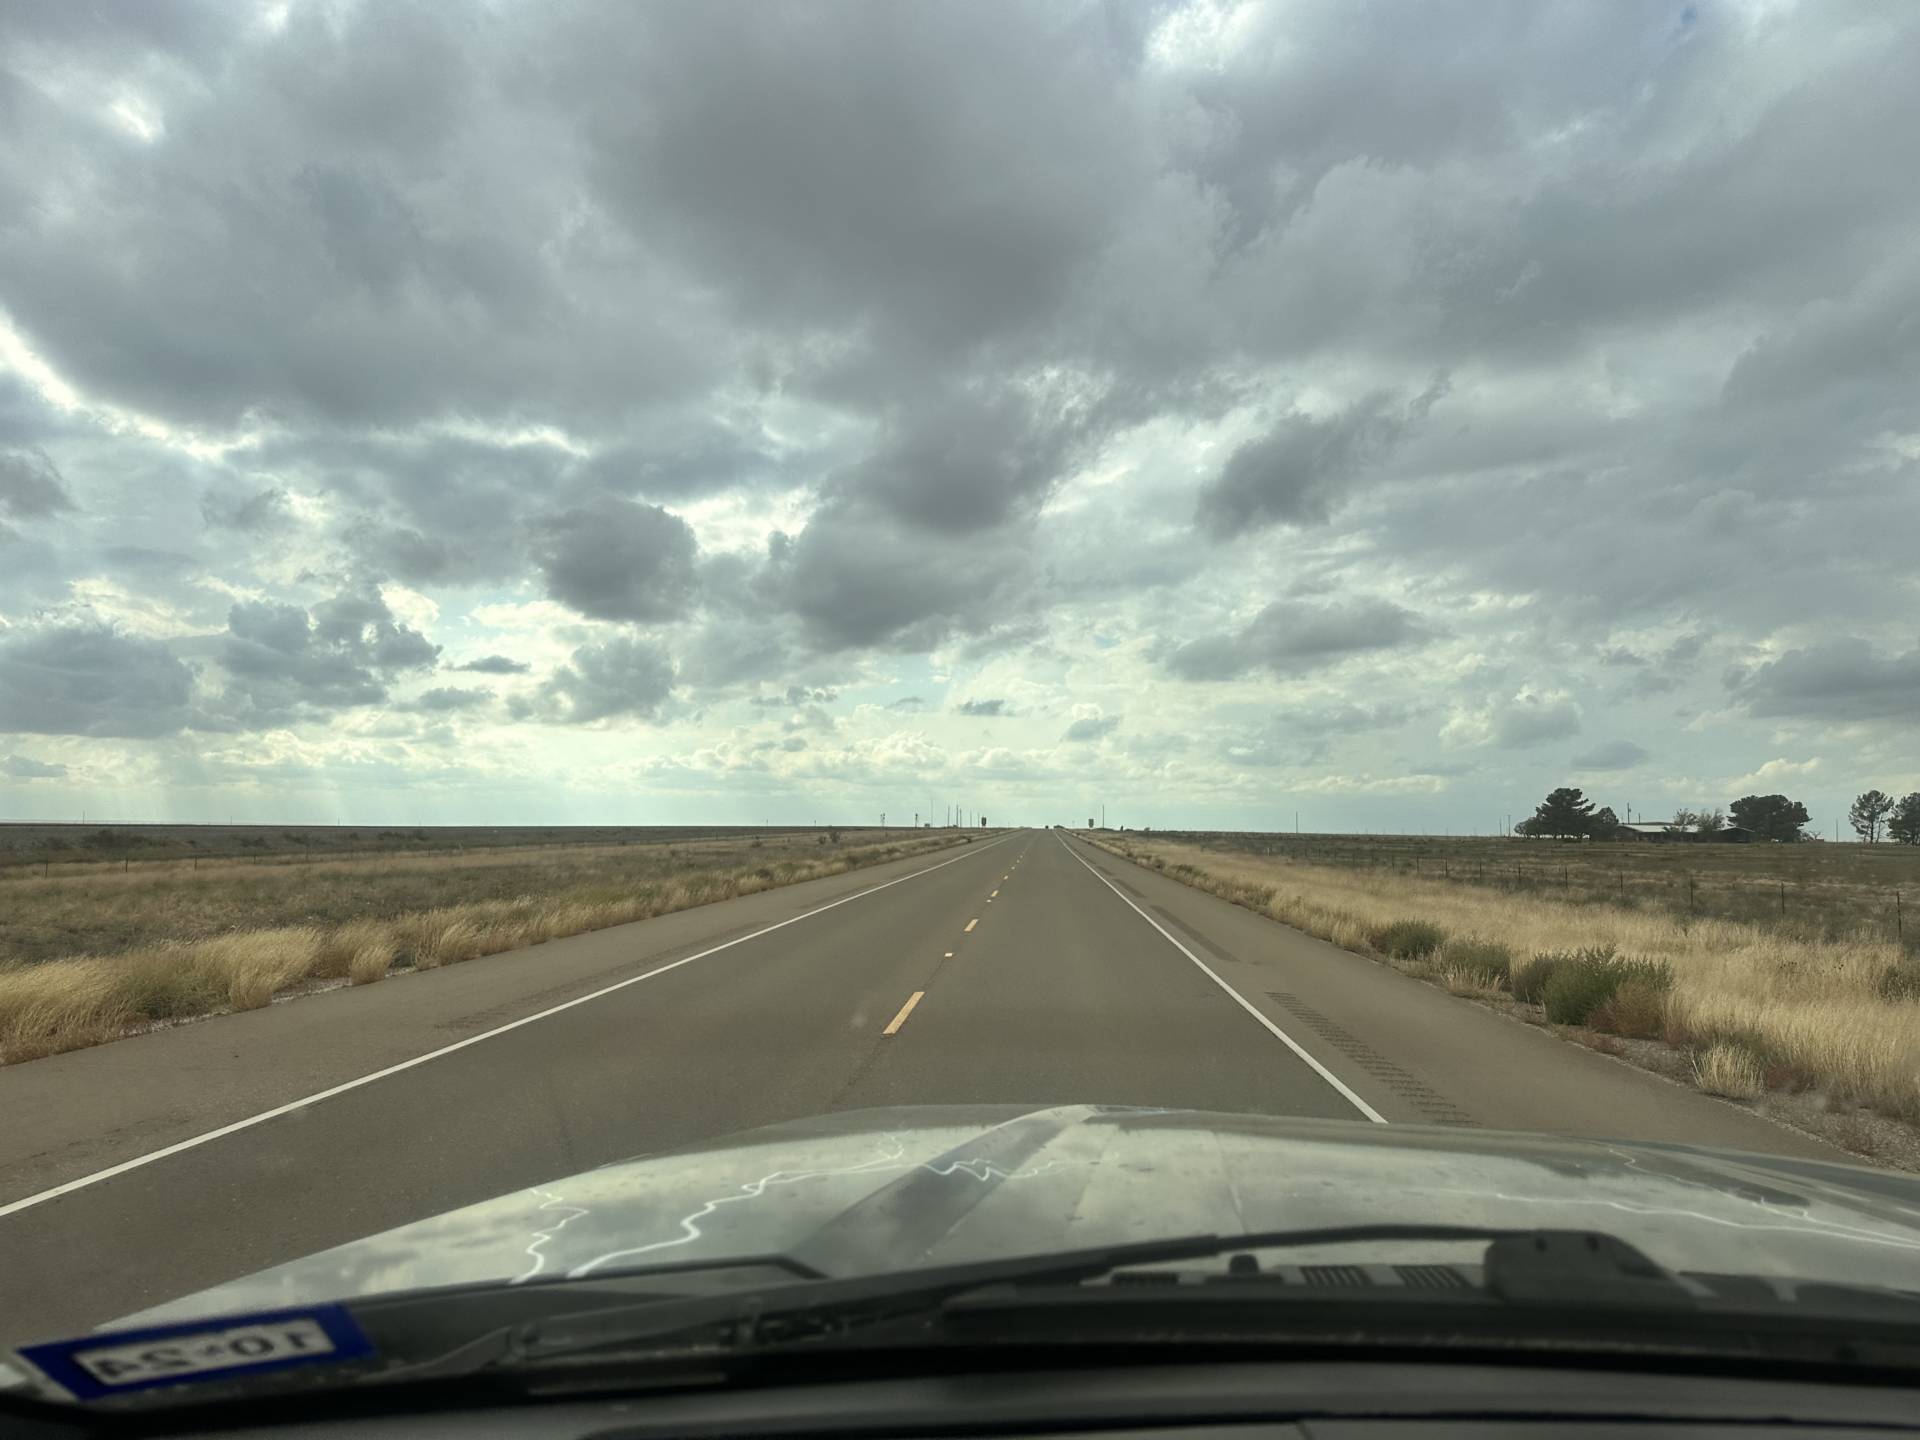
(722, 349)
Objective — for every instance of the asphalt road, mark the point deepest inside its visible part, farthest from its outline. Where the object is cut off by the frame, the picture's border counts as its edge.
(1032, 968)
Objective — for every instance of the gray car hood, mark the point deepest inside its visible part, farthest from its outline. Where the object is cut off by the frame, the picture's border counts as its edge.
(877, 1190)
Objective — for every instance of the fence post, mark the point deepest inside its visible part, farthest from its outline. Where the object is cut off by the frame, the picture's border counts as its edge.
(1899, 922)
(1689, 892)
(1783, 899)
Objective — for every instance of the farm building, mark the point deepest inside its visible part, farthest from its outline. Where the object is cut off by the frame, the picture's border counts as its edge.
(1656, 830)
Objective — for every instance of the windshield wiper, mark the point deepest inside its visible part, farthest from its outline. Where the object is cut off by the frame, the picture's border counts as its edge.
(1530, 1287)
(1522, 1265)
(1556, 1289)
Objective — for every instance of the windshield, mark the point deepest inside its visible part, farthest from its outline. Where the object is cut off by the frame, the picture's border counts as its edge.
(861, 636)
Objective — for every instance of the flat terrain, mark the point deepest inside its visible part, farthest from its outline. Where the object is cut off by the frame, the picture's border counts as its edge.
(1820, 1027)
(39, 847)
(1046, 971)
(90, 908)
(1816, 888)
(92, 953)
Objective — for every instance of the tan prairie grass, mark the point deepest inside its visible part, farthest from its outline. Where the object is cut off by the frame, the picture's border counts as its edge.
(76, 1000)
(259, 964)
(370, 963)
(1730, 1070)
(346, 950)
(1812, 1010)
(1461, 981)
(132, 870)
(100, 911)
(84, 1002)
(1818, 891)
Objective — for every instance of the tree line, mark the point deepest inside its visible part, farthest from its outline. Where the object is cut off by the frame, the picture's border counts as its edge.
(1875, 814)
(1567, 814)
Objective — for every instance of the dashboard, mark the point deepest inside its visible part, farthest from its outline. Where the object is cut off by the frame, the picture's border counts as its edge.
(1323, 1400)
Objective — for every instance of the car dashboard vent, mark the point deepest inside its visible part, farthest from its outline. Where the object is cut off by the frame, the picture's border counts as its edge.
(1432, 1277)
(1327, 1277)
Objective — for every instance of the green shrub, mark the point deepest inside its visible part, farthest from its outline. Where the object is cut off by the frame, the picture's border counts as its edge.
(1408, 939)
(1579, 984)
(1576, 990)
(1487, 959)
(1529, 980)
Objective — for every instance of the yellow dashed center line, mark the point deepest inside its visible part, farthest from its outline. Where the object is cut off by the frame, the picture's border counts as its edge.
(994, 893)
(905, 1010)
(970, 924)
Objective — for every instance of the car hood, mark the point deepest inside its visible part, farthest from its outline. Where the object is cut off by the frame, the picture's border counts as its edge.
(863, 1192)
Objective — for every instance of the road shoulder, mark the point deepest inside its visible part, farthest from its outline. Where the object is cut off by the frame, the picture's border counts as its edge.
(72, 1115)
(1420, 1055)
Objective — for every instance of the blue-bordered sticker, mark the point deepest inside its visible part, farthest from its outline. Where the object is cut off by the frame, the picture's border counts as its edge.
(124, 1361)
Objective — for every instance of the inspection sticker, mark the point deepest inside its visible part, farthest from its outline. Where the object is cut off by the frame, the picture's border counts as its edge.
(122, 1361)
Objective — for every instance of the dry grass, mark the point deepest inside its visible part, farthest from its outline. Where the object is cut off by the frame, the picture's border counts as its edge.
(1729, 1070)
(1818, 1011)
(179, 946)
(1820, 891)
(95, 911)
(1636, 1010)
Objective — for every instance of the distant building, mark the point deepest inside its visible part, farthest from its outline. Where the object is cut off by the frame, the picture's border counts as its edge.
(1681, 834)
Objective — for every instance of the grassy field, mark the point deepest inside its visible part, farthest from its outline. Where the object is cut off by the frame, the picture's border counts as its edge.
(1816, 890)
(50, 849)
(94, 955)
(1759, 1005)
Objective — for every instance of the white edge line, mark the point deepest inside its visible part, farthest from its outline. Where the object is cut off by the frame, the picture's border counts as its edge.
(250, 1121)
(1207, 970)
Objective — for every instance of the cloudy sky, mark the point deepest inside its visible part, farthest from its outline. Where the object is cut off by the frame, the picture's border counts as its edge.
(672, 413)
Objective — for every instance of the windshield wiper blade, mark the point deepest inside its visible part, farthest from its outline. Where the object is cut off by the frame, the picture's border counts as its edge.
(817, 1309)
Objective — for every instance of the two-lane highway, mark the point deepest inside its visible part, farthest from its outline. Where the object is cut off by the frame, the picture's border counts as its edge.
(1062, 991)
(1032, 968)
